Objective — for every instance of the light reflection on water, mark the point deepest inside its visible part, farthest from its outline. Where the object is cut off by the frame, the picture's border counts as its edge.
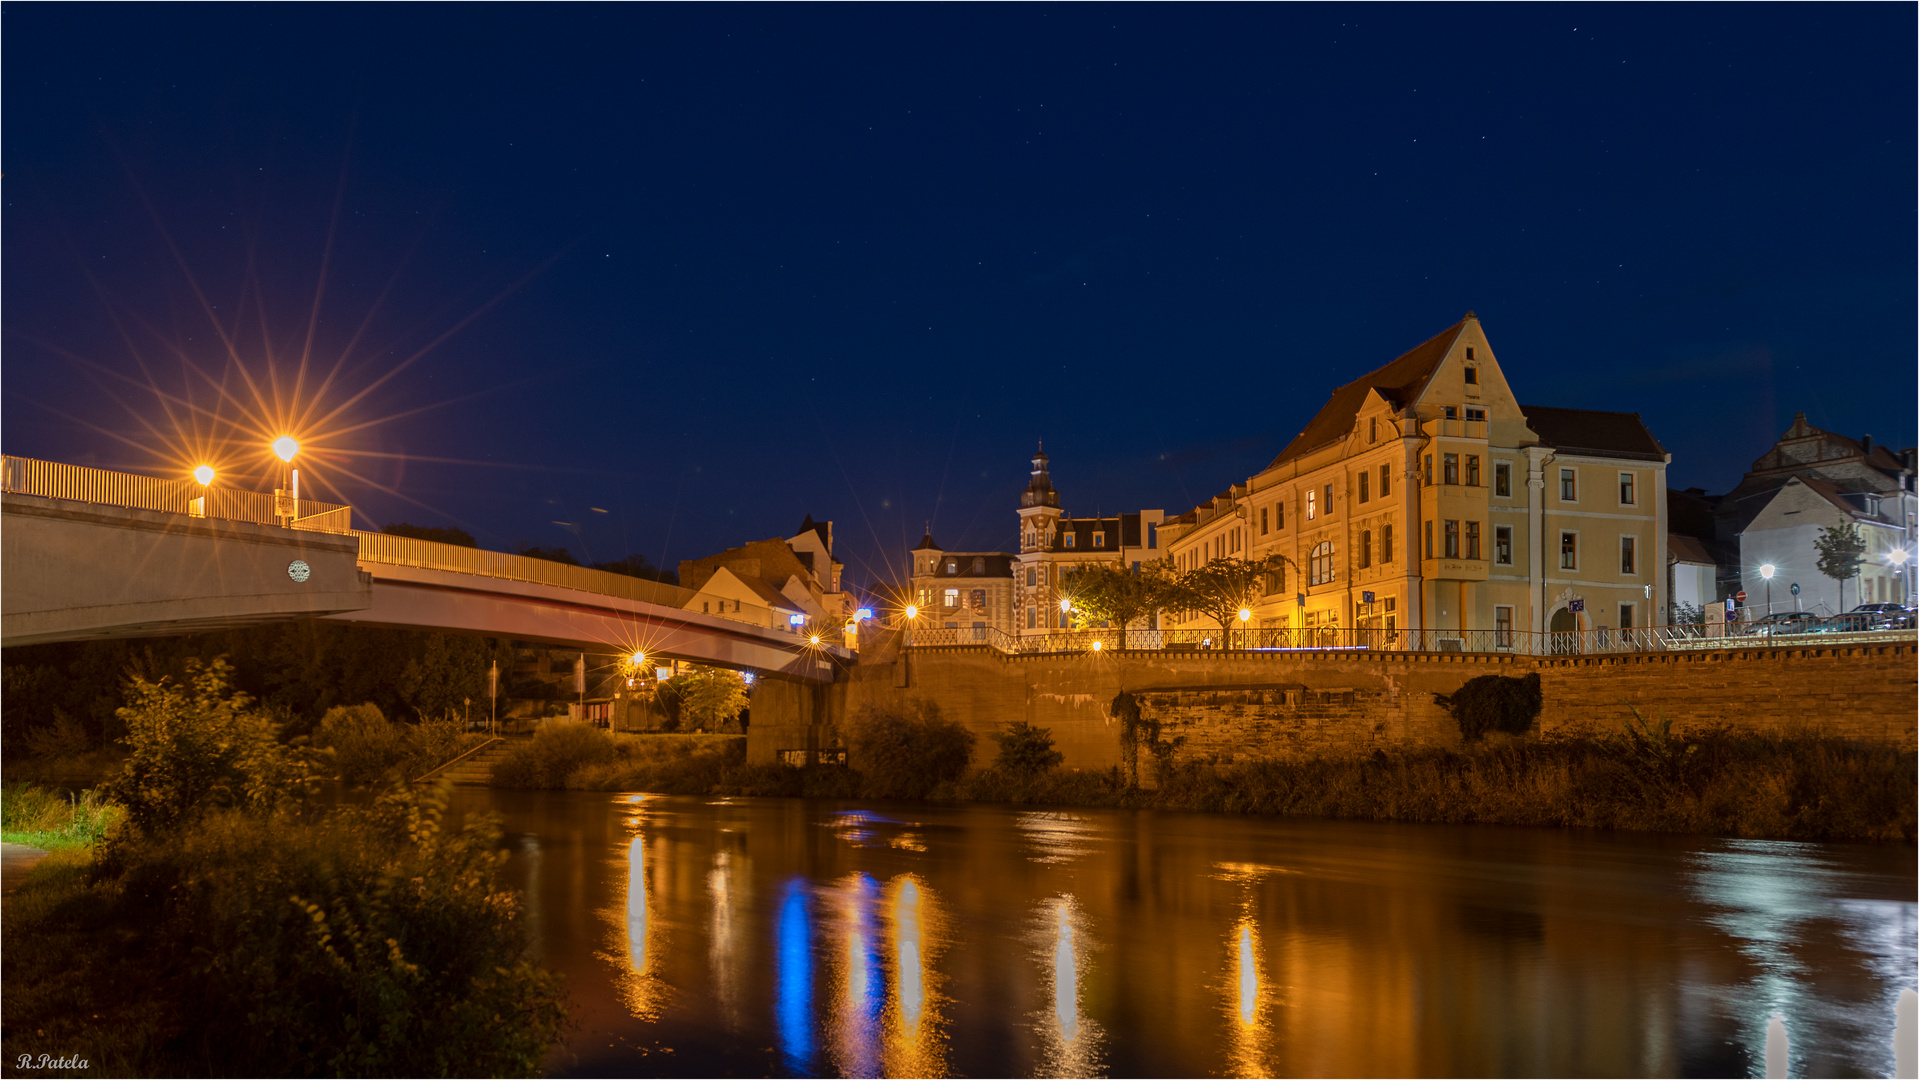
(781, 937)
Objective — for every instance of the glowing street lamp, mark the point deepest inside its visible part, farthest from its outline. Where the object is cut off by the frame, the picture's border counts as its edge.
(1767, 571)
(1898, 557)
(1245, 616)
(203, 475)
(198, 507)
(912, 611)
(287, 496)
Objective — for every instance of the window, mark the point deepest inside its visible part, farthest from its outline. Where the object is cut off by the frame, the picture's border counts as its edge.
(1452, 412)
(1475, 413)
(1503, 479)
(1032, 577)
(1372, 430)
(1452, 539)
(1450, 462)
(1503, 545)
(1626, 493)
(1070, 538)
(1472, 470)
(1429, 470)
(1502, 626)
(952, 566)
(1321, 568)
(1429, 539)
(1385, 543)
(1365, 485)
(979, 600)
(1385, 480)
(979, 565)
(1472, 375)
(1276, 581)
(1472, 540)
(703, 607)
(1099, 539)
(1469, 352)
(952, 598)
(1365, 548)
(1032, 618)
(1569, 551)
(1262, 521)
(1568, 485)
(1279, 514)
(1626, 553)
(1329, 500)
(1152, 535)
(1626, 614)
(1312, 504)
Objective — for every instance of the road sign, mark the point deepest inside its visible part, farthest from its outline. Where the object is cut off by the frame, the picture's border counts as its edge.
(1740, 596)
(1576, 605)
(1366, 597)
(1795, 588)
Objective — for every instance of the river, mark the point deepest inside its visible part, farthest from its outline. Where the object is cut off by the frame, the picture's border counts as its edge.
(707, 937)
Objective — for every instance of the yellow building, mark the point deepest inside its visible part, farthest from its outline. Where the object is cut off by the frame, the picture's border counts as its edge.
(1423, 496)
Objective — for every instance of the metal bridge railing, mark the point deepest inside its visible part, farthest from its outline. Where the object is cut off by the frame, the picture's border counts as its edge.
(82, 483)
(1510, 642)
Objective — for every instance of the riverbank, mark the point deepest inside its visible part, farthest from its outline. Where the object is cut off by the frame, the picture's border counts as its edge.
(1792, 787)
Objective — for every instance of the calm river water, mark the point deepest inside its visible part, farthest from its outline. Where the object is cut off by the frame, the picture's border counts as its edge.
(706, 937)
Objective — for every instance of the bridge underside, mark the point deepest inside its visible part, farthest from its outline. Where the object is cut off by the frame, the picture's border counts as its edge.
(426, 599)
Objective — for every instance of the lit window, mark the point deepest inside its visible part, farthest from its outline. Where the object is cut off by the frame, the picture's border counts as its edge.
(952, 598)
(952, 566)
(979, 600)
(1312, 504)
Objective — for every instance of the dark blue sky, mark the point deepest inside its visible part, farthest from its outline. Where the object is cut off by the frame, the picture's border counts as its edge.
(713, 268)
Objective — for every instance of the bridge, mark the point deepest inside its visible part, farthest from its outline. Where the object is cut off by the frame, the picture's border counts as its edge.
(94, 554)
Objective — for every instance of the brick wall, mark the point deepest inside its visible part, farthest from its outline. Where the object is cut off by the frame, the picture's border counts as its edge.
(1242, 705)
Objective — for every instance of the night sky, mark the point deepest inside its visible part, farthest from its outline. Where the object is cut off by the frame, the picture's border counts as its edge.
(710, 269)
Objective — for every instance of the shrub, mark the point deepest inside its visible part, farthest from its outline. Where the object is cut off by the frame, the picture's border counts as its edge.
(365, 746)
(553, 755)
(710, 698)
(1494, 703)
(1025, 750)
(664, 764)
(905, 754)
(192, 750)
(48, 819)
(369, 942)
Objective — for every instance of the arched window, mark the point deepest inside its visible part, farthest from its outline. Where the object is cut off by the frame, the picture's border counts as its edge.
(1320, 569)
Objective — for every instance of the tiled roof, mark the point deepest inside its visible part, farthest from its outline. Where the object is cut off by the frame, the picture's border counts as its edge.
(1689, 549)
(927, 543)
(1399, 382)
(1595, 433)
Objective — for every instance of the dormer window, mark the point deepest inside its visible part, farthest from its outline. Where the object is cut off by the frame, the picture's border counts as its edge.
(1099, 539)
(952, 566)
(979, 565)
(1372, 430)
(1069, 539)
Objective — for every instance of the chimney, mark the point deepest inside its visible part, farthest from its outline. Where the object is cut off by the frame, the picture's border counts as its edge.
(1865, 446)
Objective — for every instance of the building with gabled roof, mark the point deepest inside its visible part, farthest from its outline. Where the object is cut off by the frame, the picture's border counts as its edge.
(1053, 542)
(1422, 495)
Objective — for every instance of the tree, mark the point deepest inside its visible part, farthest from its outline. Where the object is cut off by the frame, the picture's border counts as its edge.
(1841, 550)
(902, 753)
(550, 554)
(1112, 593)
(639, 566)
(1025, 750)
(436, 533)
(711, 698)
(1222, 587)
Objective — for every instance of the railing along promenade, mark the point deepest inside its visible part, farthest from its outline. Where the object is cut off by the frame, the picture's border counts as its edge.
(1648, 639)
(82, 483)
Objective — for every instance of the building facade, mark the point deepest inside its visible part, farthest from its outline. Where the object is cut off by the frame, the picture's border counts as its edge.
(962, 589)
(1053, 542)
(1424, 496)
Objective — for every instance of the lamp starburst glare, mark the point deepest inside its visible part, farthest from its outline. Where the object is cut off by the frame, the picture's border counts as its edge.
(286, 448)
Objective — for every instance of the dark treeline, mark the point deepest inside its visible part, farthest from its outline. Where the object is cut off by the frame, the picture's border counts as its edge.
(638, 566)
(297, 670)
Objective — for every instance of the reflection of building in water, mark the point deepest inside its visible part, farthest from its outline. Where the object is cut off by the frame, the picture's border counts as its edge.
(1070, 1041)
(795, 1002)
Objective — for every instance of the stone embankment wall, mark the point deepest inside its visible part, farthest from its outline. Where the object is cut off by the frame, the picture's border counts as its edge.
(1334, 704)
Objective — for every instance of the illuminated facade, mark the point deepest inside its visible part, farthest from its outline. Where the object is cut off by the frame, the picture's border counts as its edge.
(1052, 542)
(1423, 495)
(962, 589)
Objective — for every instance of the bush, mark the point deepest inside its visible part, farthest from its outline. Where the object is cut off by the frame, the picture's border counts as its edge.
(905, 755)
(1025, 750)
(666, 765)
(709, 699)
(48, 819)
(365, 746)
(1494, 703)
(192, 750)
(553, 755)
(369, 942)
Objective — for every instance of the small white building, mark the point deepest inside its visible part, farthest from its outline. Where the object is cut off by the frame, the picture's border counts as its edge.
(1784, 534)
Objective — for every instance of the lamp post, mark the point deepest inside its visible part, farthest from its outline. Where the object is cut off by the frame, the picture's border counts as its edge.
(1898, 556)
(286, 502)
(1767, 571)
(1245, 616)
(202, 475)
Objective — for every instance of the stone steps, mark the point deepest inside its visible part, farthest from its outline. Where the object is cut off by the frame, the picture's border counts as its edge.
(477, 767)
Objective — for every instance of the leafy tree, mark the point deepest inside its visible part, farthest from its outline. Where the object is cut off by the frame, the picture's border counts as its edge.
(197, 747)
(1841, 550)
(439, 534)
(1106, 592)
(710, 698)
(550, 554)
(1025, 750)
(1220, 588)
(639, 566)
(903, 753)
(1494, 703)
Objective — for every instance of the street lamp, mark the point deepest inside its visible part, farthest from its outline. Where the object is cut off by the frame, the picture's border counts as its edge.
(912, 611)
(1899, 557)
(203, 475)
(287, 502)
(198, 507)
(1767, 571)
(1245, 616)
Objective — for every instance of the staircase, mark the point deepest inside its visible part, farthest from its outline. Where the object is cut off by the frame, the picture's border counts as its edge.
(473, 767)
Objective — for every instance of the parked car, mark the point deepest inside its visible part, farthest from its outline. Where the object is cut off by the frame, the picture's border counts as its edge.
(1781, 622)
(1874, 617)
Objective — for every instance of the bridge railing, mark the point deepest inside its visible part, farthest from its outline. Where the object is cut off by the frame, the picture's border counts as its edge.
(83, 483)
(1316, 639)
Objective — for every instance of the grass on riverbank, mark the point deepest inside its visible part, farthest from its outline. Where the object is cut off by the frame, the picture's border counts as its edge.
(53, 820)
